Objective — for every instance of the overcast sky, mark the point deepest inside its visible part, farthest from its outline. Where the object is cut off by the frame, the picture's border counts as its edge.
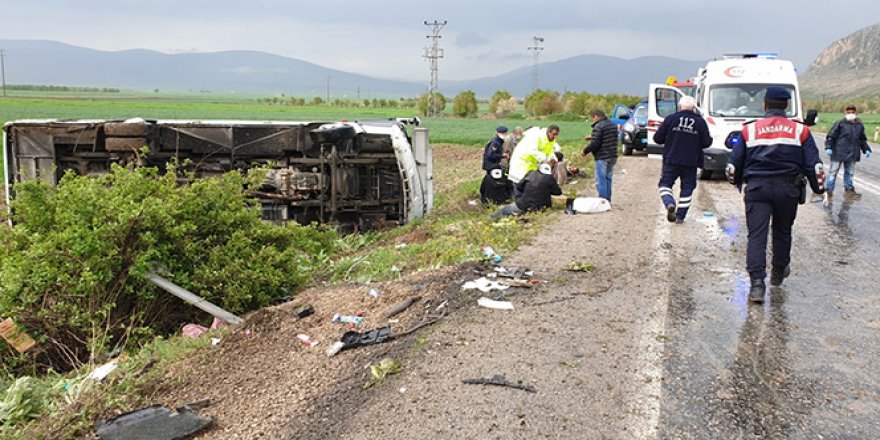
(385, 38)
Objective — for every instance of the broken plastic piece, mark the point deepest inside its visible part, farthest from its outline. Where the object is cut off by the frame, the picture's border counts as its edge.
(499, 380)
(305, 311)
(152, 423)
(374, 293)
(103, 371)
(484, 285)
(352, 339)
(347, 319)
(492, 304)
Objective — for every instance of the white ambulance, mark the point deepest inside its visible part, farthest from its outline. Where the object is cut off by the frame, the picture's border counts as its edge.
(729, 92)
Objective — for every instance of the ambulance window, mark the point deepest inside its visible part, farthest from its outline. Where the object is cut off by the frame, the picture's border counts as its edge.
(666, 102)
(744, 100)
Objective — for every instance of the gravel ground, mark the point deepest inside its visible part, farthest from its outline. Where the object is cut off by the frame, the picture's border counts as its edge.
(576, 343)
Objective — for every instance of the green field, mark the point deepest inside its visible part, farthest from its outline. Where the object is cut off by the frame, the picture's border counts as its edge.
(443, 130)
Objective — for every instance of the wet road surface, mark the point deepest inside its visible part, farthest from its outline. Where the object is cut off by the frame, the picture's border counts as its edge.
(804, 364)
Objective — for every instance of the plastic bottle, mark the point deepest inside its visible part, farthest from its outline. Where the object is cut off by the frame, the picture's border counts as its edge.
(306, 340)
(490, 253)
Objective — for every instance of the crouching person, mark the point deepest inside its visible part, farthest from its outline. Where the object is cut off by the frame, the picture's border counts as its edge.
(496, 188)
(537, 187)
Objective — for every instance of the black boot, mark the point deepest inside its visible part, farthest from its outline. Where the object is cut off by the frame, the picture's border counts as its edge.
(756, 293)
(777, 275)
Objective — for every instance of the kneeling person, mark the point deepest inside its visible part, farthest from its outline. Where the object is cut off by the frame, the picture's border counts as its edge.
(537, 187)
(496, 188)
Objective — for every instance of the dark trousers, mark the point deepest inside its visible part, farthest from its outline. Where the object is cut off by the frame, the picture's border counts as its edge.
(688, 176)
(770, 202)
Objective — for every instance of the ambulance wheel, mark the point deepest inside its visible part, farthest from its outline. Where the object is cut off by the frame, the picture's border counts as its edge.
(627, 150)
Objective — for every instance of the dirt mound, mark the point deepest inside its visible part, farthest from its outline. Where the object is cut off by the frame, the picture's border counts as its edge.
(264, 383)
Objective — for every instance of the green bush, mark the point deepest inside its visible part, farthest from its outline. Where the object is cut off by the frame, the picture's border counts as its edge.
(74, 264)
(498, 97)
(439, 104)
(542, 103)
(465, 105)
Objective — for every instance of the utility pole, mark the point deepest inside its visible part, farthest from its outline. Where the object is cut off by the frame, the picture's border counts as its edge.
(432, 54)
(536, 49)
(328, 89)
(3, 69)
(359, 94)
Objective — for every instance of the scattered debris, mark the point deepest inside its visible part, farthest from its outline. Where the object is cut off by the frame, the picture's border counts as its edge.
(282, 300)
(215, 341)
(100, 373)
(499, 380)
(492, 304)
(514, 272)
(523, 283)
(18, 339)
(400, 246)
(401, 306)
(373, 293)
(490, 254)
(384, 368)
(472, 202)
(335, 348)
(842, 263)
(347, 319)
(484, 285)
(581, 266)
(352, 339)
(193, 331)
(153, 423)
(304, 312)
(306, 340)
(193, 299)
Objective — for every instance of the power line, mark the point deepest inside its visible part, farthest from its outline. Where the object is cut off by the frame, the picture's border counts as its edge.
(536, 49)
(432, 54)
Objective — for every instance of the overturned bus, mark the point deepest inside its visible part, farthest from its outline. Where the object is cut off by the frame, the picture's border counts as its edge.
(359, 175)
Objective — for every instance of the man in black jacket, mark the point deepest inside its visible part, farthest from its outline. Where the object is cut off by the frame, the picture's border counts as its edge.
(537, 188)
(603, 145)
(684, 135)
(845, 143)
(496, 188)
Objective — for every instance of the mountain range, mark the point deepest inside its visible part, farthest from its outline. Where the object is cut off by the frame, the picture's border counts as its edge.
(54, 63)
(849, 67)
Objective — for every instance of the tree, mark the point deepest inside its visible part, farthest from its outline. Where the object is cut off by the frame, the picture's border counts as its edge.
(317, 100)
(465, 105)
(543, 103)
(439, 104)
(497, 97)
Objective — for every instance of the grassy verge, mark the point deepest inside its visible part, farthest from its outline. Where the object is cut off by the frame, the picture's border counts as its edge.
(452, 234)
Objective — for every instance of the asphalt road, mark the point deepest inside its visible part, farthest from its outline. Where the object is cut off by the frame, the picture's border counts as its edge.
(804, 364)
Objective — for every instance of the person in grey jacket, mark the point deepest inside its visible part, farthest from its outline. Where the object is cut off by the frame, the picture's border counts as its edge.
(845, 144)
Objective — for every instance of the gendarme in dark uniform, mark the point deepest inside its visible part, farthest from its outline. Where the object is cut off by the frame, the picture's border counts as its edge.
(772, 161)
